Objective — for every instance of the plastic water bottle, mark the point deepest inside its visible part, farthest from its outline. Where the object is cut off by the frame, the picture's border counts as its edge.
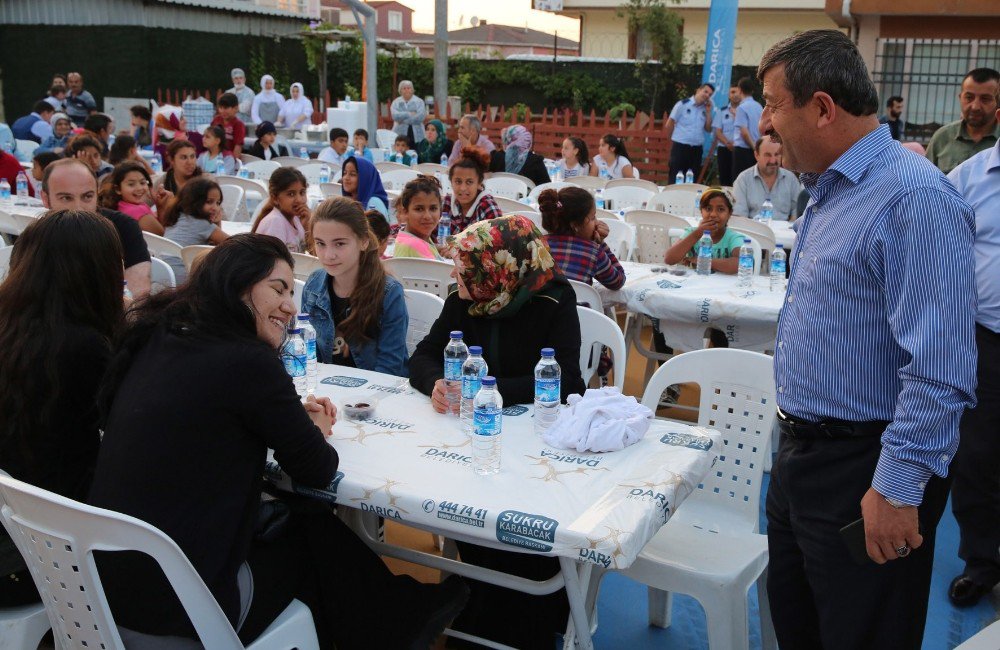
(220, 165)
(244, 172)
(473, 371)
(444, 229)
(303, 153)
(309, 336)
(778, 268)
(745, 276)
(705, 253)
(126, 293)
(689, 177)
(294, 357)
(413, 157)
(547, 390)
(766, 212)
(4, 193)
(444, 159)
(156, 163)
(347, 100)
(324, 174)
(455, 354)
(697, 204)
(399, 158)
(679, 179)
(599, 199)
(22, 188)
(487, 428)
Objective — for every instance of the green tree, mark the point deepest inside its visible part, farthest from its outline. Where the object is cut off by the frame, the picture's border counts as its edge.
(660, 43)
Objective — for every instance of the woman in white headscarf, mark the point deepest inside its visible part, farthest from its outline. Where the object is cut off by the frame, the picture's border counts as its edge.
(267, 104)
(297, 109)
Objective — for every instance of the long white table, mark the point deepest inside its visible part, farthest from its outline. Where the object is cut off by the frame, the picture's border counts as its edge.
(412, 465)
(687, 305)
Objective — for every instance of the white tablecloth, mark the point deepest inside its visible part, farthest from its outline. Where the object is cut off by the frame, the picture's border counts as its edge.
(413, 465)
(686, 305)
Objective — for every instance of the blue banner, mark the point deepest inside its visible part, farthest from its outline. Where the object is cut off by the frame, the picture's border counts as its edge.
(718, 68)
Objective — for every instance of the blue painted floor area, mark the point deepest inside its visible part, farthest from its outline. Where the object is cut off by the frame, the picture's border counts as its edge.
(622, 611)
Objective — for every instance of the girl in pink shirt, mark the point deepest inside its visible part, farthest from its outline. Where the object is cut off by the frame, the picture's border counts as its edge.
(286, 213)
(127, 190)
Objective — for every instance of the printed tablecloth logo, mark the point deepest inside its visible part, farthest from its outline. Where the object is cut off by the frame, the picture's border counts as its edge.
(392, 390)
(442, 455)
(553, 473)
(701, 443)
(346, 382)
(514, 410)
(459, 513)
(526, 530)
(328, 493)
(389, 511)
(600, 557)
(667, 284)
(704, 309)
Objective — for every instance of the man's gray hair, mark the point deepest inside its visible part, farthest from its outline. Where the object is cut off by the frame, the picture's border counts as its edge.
(404, 83)
(474, 122)
(823, 60)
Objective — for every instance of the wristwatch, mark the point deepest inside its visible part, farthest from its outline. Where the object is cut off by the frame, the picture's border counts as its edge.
(896, 503)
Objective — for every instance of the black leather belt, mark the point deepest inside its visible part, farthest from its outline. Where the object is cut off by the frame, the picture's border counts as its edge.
(794, 427)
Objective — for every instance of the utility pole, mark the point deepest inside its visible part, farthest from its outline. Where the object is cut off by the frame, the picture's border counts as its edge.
(441, 57)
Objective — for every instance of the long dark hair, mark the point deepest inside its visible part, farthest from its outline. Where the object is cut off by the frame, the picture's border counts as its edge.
(616, 144)
(121, 149)
(169, 182)
(111, 192)
(565, 208)
(65, 271)
(209, 305)
(366, 299)
(281, 179)
(190, 200)
(582, 152)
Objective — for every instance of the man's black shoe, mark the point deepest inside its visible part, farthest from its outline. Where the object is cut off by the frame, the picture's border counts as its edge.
(963, 592)
(446, 602)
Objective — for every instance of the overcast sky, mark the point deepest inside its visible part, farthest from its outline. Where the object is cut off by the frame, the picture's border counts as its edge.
(507, 12)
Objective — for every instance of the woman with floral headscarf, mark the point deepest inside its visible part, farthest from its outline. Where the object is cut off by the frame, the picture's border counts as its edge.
(517, 157)
(170, 126)
(512, 301)
(432, 147)
(296, 112)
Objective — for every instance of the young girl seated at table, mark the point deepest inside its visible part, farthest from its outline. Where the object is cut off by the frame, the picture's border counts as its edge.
(611, 160)
(575, 158)
(469, 201)
(361, 181)
(716, 208)
(127, 190)
(212, 139)
(576, 237)
(419, 207)
(286, 213)
(512, 301)
(193, 220)
(356, 307)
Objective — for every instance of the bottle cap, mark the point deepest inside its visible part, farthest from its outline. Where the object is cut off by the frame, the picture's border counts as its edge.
(707, 232)
(548, 352)
(779, 245)
(746, 240)
(294, 330)
(303, 317)
(456, 334)
(475, 349)
(489, 381)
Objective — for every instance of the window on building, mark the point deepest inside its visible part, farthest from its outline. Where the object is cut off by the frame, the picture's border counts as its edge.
(395, 21)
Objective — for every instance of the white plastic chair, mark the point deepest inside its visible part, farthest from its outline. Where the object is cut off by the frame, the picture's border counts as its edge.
(27, 148)
(624, 196)
(246, 158)
(396, 179)
(299, 287)
(312, 171)
(555, 185)
(191, 254)
(524, 179)
(510, 206)
(423, 309)
(305, 264)
(608, 214)
(161, 276)
(23, 627)
(57, 537)
(430, 276)
(289, 161)
(587, 296)
(234, 208)
(388, 166)
(674, 201)
(596, 329)
(262, 169)
(507, 187)
(986, 639)
(330, 190)
(690, 187)
(5, 253)
(161, 246)
(385, 138)
(652, 234)
(760, 233)
(633, 182)
(592, 183)
(620, 239)
(432, 169)
(710, 548)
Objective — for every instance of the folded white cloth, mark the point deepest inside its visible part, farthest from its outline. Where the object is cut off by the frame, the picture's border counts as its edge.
(602, 420)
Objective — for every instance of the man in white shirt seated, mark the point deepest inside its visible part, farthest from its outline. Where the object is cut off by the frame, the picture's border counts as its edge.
(766, 180)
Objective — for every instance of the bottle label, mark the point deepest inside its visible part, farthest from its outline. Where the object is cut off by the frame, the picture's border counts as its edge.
(746, 262)
(470, 386)
(444, 231)
(778, 266)
(705, 250)
(295, 366)
(310, 348)
(487, 421)
(453, 369)
(547, 390)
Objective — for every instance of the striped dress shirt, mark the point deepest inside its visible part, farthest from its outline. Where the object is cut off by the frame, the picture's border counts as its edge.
(878, 321)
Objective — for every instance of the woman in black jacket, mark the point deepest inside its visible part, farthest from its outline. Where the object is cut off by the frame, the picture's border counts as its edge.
(512, 301)
(517, 157)
(59, 308)
(195, 397)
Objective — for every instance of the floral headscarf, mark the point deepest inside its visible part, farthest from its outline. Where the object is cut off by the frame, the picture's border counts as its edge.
(504, 262)
(517, 143)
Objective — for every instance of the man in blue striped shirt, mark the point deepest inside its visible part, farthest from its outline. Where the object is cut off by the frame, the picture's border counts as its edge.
(874, 362)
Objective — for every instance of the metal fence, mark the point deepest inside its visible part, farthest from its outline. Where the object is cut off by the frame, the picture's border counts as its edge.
(928, 75)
